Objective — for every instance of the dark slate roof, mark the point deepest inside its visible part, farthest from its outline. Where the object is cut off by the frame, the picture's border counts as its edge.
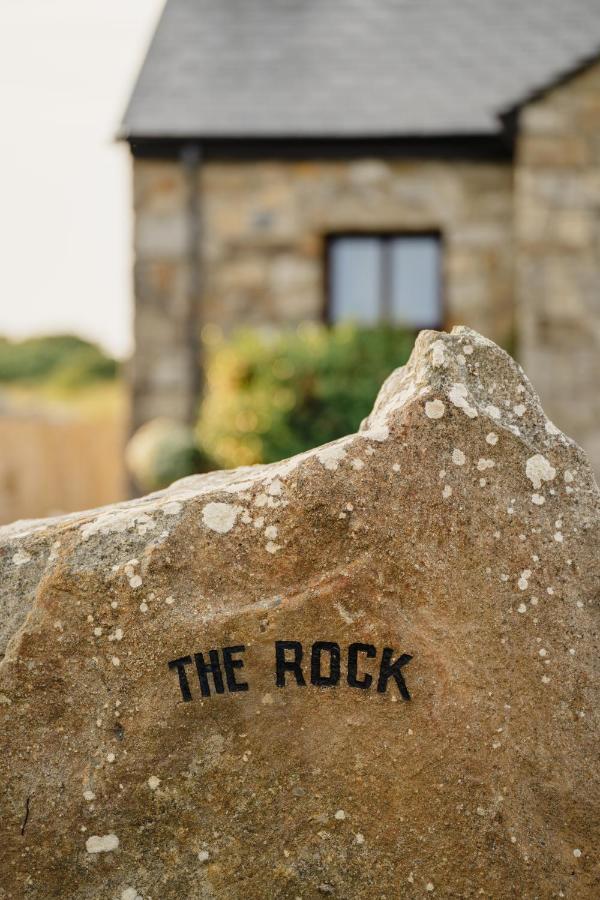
(275, 68)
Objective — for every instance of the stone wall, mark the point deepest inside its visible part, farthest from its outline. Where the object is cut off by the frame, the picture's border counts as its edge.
(557, 203)
(263, 228)
(164, 367)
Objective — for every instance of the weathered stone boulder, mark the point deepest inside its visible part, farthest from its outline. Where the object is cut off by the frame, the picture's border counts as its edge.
(370, 671)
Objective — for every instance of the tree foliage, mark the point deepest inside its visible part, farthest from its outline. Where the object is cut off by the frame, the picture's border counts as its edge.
(64, 360)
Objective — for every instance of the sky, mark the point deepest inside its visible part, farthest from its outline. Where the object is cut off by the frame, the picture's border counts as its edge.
(66, 70)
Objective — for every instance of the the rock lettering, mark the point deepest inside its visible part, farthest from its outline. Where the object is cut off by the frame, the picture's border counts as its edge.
(322, 667)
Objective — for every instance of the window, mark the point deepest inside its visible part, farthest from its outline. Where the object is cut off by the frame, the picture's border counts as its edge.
(389, 278)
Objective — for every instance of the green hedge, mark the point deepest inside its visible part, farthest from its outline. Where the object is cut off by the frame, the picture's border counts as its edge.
(268, 398)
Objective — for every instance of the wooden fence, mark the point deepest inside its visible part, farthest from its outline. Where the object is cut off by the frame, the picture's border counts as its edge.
(51, 465)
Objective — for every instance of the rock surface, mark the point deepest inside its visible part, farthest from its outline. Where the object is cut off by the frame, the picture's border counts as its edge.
(447, 553)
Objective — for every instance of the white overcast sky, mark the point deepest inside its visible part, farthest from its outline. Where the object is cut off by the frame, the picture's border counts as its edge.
(66, 69)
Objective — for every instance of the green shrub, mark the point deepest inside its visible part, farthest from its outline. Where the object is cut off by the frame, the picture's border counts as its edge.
(161, 452)
(62, 359)
(269, 398)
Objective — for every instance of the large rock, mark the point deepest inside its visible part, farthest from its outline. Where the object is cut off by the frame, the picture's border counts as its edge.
(405, 697)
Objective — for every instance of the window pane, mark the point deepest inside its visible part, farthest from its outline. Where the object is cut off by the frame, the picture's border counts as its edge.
(355, 279)
(415, 282)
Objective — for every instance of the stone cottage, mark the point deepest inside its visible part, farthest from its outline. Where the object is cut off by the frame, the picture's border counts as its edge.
(422, 163)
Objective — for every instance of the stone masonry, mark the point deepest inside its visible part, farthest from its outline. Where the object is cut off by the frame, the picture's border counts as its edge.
(557, 192)
(263, 231)
(265, 226)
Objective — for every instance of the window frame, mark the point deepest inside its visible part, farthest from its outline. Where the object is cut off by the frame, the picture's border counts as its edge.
(386, 236)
